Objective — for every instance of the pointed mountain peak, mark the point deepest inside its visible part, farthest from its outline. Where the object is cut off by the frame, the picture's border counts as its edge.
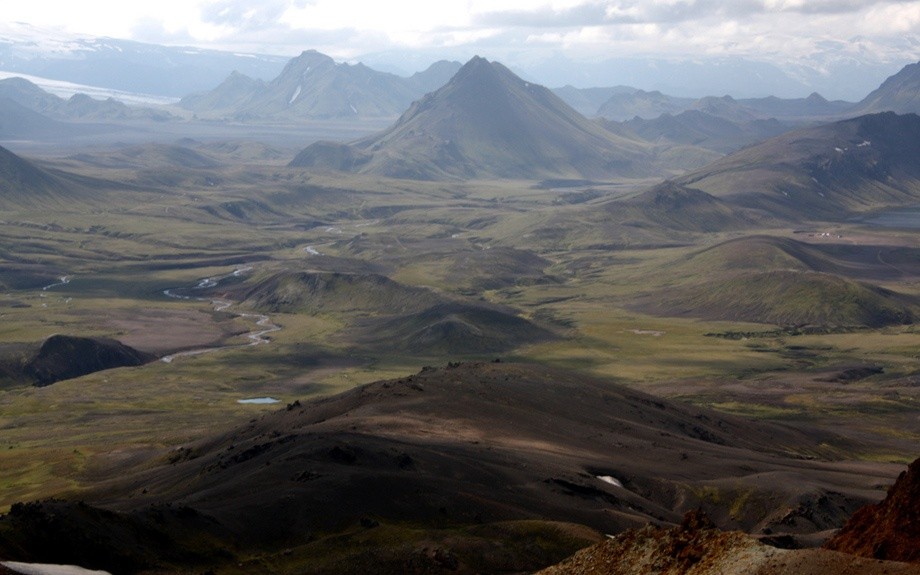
(816, 98)
(488, 122)
(484, 77)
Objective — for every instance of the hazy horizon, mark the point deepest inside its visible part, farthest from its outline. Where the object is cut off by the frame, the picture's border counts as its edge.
(836, 48)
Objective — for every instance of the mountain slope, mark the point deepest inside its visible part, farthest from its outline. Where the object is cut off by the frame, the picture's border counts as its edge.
(487, 122)
(830, 171)
(899, 93)
(18, 122)
(24, 183)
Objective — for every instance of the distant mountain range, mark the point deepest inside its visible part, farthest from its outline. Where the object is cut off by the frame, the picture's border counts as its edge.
(313, 85)
(625, 104)
(486, 123)
(123, 64)
(77, 107)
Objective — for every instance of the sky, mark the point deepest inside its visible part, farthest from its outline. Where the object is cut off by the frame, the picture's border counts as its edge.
(816, 33)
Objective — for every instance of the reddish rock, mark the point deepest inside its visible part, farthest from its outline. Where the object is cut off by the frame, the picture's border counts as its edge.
(887, 530)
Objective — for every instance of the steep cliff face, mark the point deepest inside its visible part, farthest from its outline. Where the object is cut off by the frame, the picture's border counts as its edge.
(887, 530)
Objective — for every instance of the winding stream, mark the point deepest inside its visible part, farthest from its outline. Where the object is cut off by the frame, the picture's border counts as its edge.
(256, 337)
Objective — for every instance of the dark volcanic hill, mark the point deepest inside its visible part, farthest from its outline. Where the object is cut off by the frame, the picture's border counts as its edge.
(63, 357)
(486, 123)
(831, 171)
(899, 93)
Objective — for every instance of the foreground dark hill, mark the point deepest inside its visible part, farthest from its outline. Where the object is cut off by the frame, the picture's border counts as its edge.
(486, 123)
(826, 172)
(469, 445)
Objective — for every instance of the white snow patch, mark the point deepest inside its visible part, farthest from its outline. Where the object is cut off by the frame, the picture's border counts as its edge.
(610, 480)
(353, 109)
(64, 89)
(48, 569)
(839, 150)
(259, 400)
(864, 144)
(296, 93)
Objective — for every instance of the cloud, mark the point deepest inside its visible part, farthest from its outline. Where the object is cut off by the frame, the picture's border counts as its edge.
(247, 15)
(612, 12)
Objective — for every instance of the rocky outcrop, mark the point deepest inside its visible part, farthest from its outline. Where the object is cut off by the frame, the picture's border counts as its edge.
(697, 548)
(889, 529)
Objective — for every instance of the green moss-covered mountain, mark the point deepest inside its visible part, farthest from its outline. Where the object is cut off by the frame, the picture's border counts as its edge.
(486, 123)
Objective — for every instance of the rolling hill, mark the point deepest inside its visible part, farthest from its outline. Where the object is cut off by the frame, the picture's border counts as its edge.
(389, 317)
(486, 123)
(780, 281)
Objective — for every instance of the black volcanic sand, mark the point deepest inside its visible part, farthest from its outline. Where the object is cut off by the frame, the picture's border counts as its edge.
(475, 444)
